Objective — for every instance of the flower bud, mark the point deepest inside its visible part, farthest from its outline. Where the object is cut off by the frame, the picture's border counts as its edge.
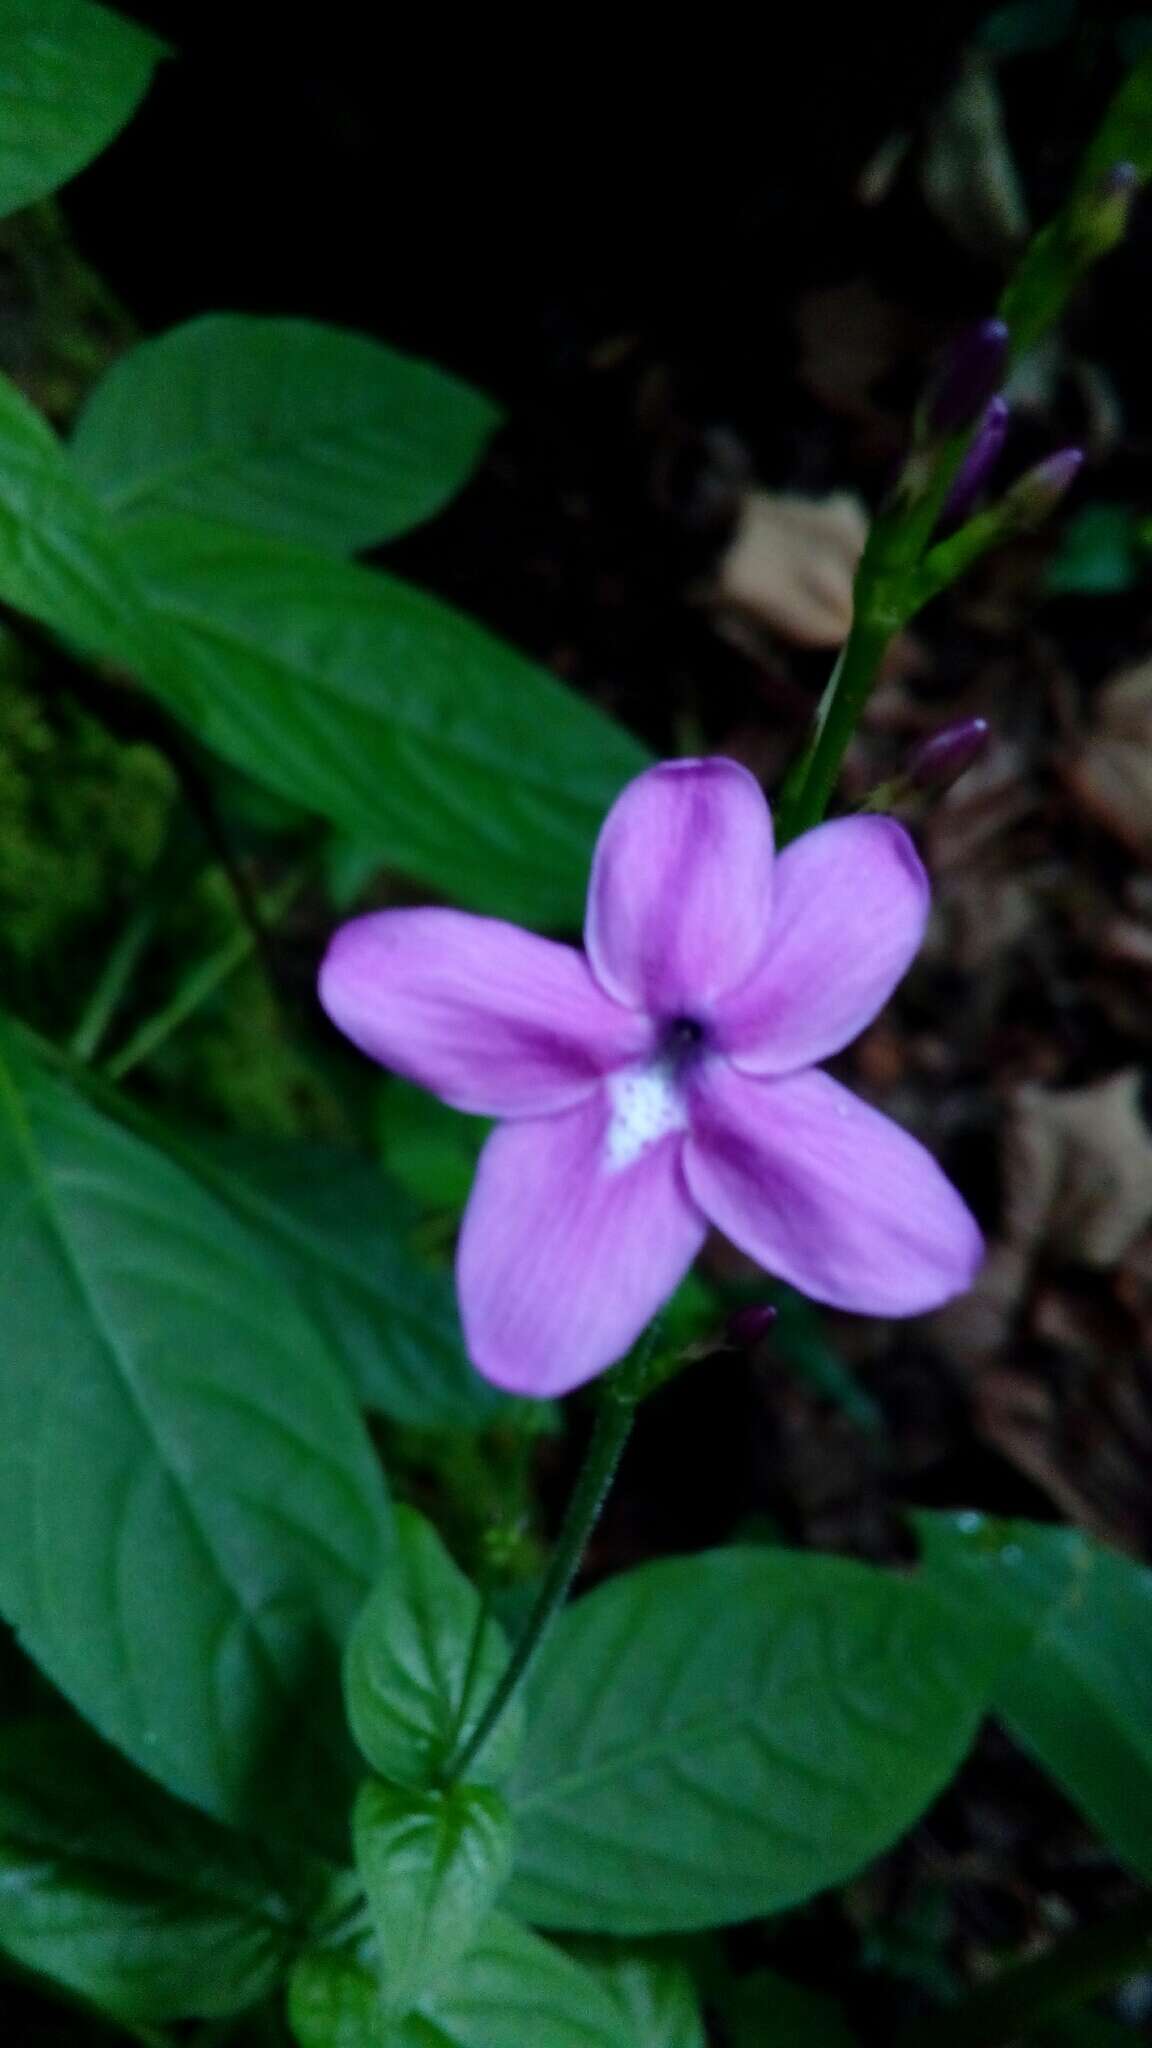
(968, 377)
(944, 757)
(747, 1325)
(978, 464)
(1038, 492)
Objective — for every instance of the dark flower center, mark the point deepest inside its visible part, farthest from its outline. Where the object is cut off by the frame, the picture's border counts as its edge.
(681, 1039)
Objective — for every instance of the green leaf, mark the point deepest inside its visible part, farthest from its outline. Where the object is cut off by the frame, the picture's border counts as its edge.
(340, 1235)
(430, 1149)
(1080, 1697)
(292, 429)
(655, 1994)
(71, 75)
(181, 1463)
(1101, 551)
(116, 1890)
(511, 1988)
(385, 711)
(1015, 1572)
(417, 1673)
(716, 1737)
(768, 2011)
(514, 1987)
(334, 2002)
(1125, 134)
(56, 561)
(432, 1864)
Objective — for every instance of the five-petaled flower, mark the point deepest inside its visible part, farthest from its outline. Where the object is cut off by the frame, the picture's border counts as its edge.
(666, 1079)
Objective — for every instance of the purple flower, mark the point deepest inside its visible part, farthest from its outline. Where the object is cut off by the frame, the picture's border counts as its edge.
(665, 1079)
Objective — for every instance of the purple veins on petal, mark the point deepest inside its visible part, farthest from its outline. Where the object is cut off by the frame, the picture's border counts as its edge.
(852, 900)
(828, 1194)
(565, 1257)
(667, 1080)
(679, 898)
(492, 1019)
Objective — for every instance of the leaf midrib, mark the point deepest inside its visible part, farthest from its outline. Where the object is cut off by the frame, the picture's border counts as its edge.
(123, 1374)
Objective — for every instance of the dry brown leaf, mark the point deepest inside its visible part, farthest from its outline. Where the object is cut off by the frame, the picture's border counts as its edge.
(1020, 1416)
(1078, 1170)
(1111, 774)
(791, 563)
(852, 337)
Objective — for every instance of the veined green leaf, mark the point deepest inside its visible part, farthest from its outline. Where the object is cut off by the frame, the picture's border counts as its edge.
(416, 1676)
(720, 1736)
(71, 75)
(285, 427)
(384, 710)
(181, 1464)
(129, 1898)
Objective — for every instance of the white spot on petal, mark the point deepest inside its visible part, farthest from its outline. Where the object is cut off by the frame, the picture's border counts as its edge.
(646, 1105)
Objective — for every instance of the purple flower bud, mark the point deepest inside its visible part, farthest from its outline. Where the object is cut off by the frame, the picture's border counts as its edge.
(944, 757)
(1040, 490)
(978, 464)
(967, 378)
(747, 1325)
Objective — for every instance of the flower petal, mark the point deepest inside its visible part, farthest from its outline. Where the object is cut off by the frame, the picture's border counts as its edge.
(850, 905)
(828, 1194)
(681, 886)
(491, 1018)
(564, 1258)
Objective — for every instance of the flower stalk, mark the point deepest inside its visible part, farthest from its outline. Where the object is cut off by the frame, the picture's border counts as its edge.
(619, 1397)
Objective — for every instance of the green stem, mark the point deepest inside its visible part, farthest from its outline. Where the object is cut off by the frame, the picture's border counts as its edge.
(1021, 2000)
(806, 793)
(119, 968)
(475, 1651)
(620, 1396)
(197, 986)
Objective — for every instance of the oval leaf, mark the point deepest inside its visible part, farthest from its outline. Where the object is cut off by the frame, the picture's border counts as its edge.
(56, 560)
(721, 1736)
(334, 2002)
(416, 1678)
(432, 1864)
(286, 427)
(385, 711)
(655, 1993)
(510, 1987)
(127, 1897)
(1079, 1697)
(180, 1462)
(71, 75)
(339, 1233)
